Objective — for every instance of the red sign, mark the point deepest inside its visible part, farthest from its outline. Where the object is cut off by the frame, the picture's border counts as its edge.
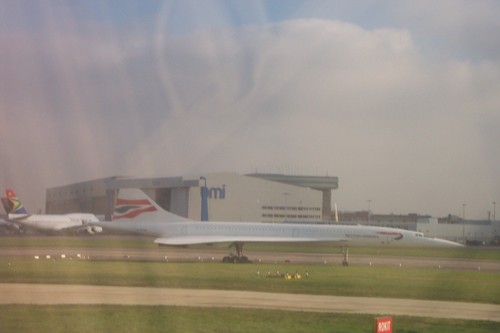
(382, 325)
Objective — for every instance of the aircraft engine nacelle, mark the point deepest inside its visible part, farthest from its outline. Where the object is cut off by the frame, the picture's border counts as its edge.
(94, 229)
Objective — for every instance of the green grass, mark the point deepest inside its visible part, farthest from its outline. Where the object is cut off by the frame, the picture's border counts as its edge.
(489, 253)
(141, 242)
(416, 283)
(433, 284)
(103, 318)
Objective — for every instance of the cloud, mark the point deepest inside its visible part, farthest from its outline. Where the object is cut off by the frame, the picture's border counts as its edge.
(460, 28)
(307, 95)
(363, 104)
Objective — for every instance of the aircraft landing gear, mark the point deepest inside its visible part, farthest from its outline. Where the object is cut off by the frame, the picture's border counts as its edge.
(345, 252)
(235, 259)
(239, 257)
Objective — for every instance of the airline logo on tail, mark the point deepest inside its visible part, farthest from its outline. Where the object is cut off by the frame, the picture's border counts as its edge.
(131, 208)
(15, 204)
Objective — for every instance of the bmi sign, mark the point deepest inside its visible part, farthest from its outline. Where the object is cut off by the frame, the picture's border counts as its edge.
(382, 325)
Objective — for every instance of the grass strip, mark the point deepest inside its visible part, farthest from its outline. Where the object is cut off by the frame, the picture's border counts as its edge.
(101, 241)
(105, 318)
(394, 282)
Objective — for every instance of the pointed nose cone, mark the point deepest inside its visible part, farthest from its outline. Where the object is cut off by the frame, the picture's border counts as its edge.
(444, 243)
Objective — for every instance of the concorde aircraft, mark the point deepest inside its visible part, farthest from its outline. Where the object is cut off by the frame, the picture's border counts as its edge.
(137, 213)
(18, 214)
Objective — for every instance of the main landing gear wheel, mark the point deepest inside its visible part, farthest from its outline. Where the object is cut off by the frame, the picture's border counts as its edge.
(239, 257)
(235, 259)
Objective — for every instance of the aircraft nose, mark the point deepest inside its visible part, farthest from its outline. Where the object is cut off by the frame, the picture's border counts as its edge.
(444, 242)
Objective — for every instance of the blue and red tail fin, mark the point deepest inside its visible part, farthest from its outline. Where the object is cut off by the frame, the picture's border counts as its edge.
(15, 204)
(135, 205)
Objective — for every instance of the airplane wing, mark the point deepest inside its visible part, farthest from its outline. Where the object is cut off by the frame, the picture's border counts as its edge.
(190, 240)
(15, 217)
(9, 225)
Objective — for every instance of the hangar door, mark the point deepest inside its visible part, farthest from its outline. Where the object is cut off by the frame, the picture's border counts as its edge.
(174, 200)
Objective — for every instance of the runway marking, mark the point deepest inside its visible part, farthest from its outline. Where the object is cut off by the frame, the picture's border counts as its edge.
(13, 293)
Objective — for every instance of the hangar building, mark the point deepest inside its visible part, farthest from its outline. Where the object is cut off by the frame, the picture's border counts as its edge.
(229, 196)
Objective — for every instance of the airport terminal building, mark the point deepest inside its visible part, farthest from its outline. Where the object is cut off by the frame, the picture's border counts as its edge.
(228, 196)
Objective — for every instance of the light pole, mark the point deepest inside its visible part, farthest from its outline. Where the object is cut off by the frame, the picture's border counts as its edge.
(204, 199)
(494, 210)
(463, 222)
(369, 209)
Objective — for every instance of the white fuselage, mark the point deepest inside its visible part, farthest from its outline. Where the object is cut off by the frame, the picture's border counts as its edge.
(54, 222)
(194, 232)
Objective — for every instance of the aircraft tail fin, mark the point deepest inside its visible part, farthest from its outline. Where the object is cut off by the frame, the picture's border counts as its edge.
(15, 205)
(134, 204)
(6, 205)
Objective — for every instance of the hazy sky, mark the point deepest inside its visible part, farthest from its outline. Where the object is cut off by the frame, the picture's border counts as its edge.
(399, 99)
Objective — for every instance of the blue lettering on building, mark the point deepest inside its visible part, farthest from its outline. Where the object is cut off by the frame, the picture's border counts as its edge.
(217, 192)
(209, 193)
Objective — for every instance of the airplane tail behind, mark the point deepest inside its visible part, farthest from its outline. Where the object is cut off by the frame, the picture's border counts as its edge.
(135, 205)
(6, 205)
(15, 205)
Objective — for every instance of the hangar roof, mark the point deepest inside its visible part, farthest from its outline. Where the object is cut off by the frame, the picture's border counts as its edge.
(158, 182)
(315, 182)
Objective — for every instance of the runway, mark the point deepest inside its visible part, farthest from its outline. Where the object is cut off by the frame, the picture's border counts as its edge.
(81, 294)
(175, 254)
